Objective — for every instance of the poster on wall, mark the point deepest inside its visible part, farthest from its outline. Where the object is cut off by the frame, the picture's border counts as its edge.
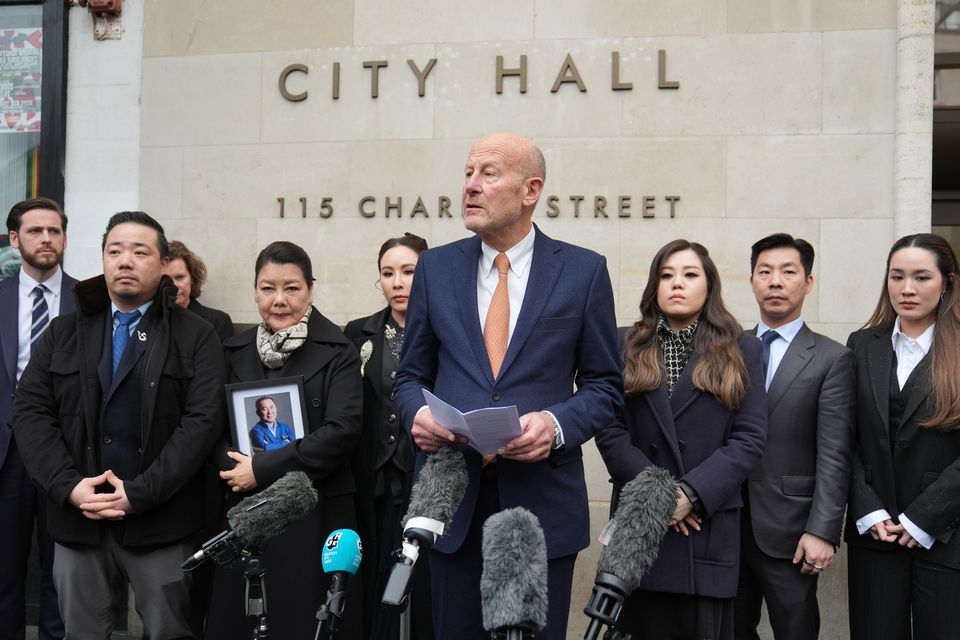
(21, 73)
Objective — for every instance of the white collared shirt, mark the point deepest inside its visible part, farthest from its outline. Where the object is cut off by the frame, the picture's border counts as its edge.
(778, 348)
(520, 255)
(910, 351)
(25, 311)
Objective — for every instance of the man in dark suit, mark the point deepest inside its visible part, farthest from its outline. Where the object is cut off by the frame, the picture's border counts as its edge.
(510, 317)
(795, 498)
(40, 292)
(120, 405)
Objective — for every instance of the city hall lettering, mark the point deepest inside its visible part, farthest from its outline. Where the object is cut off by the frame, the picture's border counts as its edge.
(573, 206)
(296, 89)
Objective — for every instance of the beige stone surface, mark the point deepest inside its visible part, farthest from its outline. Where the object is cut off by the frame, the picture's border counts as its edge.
(577, 19)
(467, 103)
(859, 81)
(231, 182)
(782, 176)
(854, 253)
(388, 22)
(810, 15)
(161, 182)
(740, 84)
(397, 112)
(188, 27)
(211, 99)
(104, 112)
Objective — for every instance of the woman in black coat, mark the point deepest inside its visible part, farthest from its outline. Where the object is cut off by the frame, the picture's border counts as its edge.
(385, 445)
(294, 339)
(904, 510)
(696, 406)
(189, 273)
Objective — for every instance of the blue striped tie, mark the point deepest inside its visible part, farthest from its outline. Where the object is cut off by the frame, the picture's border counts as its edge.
(40, 316)
(121, 335)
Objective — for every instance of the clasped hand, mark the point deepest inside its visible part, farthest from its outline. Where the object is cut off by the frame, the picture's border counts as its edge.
(101, 506)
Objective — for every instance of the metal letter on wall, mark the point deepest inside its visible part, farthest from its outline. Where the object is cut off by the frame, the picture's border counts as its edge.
(662, 82)
(568, 73)
(422, 75)
(290, 68)
(615, 83)
(516, 71)
(374, 66)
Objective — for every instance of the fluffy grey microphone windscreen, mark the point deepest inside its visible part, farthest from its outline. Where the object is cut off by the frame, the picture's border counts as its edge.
(438, 491)
(267, 514)
(646, 504)
(513, 585)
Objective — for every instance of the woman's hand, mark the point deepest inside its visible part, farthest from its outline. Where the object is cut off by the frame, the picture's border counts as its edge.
(241, 477)
(683, 518)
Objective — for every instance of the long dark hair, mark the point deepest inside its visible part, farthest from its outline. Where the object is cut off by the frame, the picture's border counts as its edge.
(720, 369)
(409, 240)
(945, 351)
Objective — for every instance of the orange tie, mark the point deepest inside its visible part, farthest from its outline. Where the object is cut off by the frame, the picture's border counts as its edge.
(496, 329)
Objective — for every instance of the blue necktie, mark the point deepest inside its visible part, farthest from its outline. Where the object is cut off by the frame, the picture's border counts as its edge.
(767, 338)
(40, 317)
(121, 335)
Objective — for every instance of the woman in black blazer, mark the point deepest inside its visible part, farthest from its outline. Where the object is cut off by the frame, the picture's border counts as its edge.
(696, 406)
(904, 506)
(385, 446)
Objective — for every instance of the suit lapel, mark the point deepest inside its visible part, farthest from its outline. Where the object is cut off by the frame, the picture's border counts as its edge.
(798, 355)
(921, 388)
(880, 363)
(684, 393)
(9, 334)
(545, 269)
(67, 302)
(373, 332)
(136, 347)
(659, 403)
(465, 286)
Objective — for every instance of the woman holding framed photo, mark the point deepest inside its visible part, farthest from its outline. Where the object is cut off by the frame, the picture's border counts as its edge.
(294, 339)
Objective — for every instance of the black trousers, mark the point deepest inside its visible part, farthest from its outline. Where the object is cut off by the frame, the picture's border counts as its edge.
(651, 615)
(455, 580)
(791, 596)
(898, 595)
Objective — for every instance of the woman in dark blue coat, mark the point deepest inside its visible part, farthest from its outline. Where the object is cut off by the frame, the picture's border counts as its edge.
(696, 406)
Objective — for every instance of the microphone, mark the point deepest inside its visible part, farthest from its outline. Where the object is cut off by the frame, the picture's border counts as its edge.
(634, 535)
(258, 518)
(513, 585)
(342, 553)
(434, 499)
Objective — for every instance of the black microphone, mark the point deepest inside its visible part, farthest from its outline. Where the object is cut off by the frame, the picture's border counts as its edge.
(434, 499)
(513, 585)
(258, 518)
(646, 504)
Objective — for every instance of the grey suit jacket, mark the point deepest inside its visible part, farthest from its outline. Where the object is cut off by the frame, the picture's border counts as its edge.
(802, 481)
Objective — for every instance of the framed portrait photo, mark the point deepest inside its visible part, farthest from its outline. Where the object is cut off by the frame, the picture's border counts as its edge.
(266, 414)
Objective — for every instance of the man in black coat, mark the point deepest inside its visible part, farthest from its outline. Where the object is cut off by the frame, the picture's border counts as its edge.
(115, 414)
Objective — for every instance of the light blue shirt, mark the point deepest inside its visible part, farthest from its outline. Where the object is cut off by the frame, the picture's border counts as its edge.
(779, 346)
(133, 325)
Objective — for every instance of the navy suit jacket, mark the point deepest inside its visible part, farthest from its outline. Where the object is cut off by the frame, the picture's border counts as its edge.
(713, 449)
(10, 345)
(565, 335)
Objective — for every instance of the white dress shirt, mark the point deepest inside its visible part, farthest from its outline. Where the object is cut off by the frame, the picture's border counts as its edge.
(779, 346)
(910, 351)
(520, 256)
(25, 311)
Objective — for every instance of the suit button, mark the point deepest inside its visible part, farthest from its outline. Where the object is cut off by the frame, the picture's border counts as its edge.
(393, 395)
(496, 396)
(903, 444)
(393, 375)
(653, 450)
(107, 439)
(392, 418)
(391, 439)
(683, 445)
(315, 402)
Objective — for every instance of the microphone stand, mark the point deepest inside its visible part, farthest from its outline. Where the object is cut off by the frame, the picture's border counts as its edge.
(331, 611)
(256, 592)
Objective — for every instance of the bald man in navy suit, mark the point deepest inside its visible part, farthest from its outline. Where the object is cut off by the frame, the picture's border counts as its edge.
(510, 317)
(28, 301)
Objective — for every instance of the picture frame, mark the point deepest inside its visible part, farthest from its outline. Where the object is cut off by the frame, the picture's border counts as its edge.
(257, 425)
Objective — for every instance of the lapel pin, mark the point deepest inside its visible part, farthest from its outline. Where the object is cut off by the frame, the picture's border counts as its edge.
(142, 335)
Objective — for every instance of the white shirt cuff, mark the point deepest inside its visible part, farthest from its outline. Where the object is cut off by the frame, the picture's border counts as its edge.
(925, 539)
(559, 428)
(420, 410)
(865, 523)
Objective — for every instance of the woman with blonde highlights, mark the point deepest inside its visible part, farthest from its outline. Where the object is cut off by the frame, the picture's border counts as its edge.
(905, 494)
(695, 405)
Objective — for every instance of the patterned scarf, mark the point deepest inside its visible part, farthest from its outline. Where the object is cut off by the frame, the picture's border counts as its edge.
(275, 348)
(676, 349)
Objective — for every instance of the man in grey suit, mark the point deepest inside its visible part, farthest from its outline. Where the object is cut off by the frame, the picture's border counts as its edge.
(794, 500)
